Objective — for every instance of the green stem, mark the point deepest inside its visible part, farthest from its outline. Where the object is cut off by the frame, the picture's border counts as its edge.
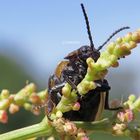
(37, 130)
(102, 125)
(45, 129)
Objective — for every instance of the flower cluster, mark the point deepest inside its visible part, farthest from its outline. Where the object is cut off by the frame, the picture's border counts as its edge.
(26, 97)
(68, 130)
(108, 58)
(98, 70)
(68, 101)
(128, 116)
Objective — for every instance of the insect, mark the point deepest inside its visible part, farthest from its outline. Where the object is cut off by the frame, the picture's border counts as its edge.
(72, 70)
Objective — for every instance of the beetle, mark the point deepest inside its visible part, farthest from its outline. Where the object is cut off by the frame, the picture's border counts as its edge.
(72, 70)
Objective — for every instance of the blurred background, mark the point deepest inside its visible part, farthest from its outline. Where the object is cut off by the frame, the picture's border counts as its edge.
(36, 35)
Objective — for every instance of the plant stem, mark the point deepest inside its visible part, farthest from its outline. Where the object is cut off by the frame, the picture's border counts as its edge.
(36, 130)
(45, 129)
(102, 125)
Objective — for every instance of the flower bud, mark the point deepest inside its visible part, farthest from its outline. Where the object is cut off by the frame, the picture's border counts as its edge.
(132, 98)
(66, 91)
(110, 47)
(128, 37)
(118, 129)
(4, 104)
(129, 116)
(27, 106)
(59, 114)
(136, 37)
(85, 86)
(3, 116)
(126, 116)
(119, 40)
(136, 104)
(53, 116)
(70, 128)
(132, 44)
(4, 94)
(76, 106)
(36, 111)
(34, 98)
(11, 98)
(43, 94)
(74, 95)
(13, 108)
(122, 50)
(30, 88)
(89, 61)
(81, 135)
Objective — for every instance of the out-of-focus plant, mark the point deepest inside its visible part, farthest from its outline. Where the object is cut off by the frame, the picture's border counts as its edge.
(26, 98)
(123, 122)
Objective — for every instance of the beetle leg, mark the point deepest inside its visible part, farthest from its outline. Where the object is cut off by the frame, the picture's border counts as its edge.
(67, 75)
(69, 72)
(102, 85)
(55, 92)
(70, 82)
(49, 107)
(57, 87)
(53, 80)
(54, 84)
(54, 89)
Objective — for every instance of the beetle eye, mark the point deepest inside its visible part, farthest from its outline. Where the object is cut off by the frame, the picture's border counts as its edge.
(84, 51)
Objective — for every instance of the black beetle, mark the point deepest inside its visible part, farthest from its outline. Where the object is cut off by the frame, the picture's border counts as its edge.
(72, 71)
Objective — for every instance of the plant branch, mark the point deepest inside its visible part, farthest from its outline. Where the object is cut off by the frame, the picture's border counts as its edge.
(36, 130)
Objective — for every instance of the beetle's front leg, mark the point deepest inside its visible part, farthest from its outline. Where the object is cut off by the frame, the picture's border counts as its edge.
(68, 75)
(54, 88)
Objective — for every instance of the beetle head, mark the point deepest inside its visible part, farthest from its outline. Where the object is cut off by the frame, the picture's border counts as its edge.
(85, 52)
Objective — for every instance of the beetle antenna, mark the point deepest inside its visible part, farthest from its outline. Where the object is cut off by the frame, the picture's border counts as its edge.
(88, 27)
(113, 34)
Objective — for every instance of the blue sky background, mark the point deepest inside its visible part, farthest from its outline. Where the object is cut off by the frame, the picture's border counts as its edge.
(40, 33)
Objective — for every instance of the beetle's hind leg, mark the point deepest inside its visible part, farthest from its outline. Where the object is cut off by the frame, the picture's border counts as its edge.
(104, 87)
